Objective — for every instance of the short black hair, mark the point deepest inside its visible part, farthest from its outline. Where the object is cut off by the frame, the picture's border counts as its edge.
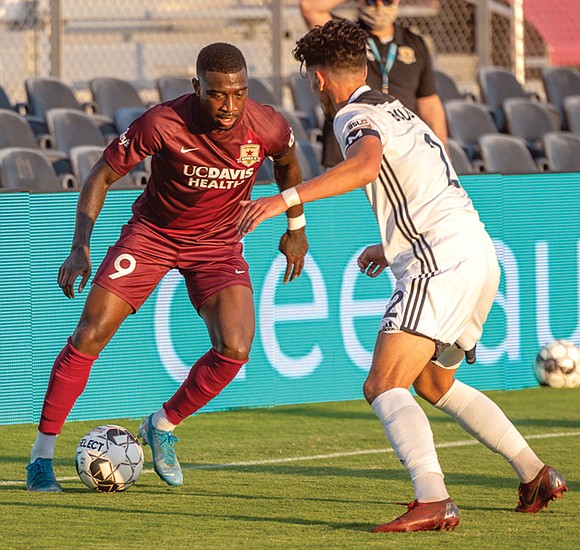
(220, 57)
(338, 44)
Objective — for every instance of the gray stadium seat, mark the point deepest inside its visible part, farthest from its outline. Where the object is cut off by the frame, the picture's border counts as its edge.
(529, 120)
(468, 121)
(46, 93)
(16, 132)
(29, 169)
(117, 99)
(84, 157)
(170, 87)
(305, 101)
(260, 91)
(504, 154)
(76, 134)
(572, 113)
(560, 83)
(459, 158)
(562, 151)
(70, 128)
(496, 85)
(309, 159)
(447, 88)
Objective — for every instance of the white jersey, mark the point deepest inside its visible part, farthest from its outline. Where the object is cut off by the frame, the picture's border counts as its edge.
(426, 219)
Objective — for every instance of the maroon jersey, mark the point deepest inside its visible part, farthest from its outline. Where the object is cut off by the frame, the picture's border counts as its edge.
(198, 178)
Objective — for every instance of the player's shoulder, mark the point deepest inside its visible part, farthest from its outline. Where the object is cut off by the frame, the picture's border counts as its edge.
(167, 117)
(264, 117)
(174, 108)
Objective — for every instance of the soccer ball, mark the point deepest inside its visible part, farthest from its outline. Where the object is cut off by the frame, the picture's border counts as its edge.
(109, 459)
(558, 365)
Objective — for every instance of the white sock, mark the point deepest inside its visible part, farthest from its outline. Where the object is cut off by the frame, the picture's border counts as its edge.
(161, 422)
(478, 415)
(408, 431)
(43, 447)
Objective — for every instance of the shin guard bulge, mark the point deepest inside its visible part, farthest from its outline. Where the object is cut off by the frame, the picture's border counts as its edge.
(407, 429)
(68, 379)
(207, 378)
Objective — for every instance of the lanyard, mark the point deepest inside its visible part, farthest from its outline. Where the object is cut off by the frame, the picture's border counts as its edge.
(391, 55)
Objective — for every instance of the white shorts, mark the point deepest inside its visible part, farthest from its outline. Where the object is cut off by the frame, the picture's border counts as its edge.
(448, 306)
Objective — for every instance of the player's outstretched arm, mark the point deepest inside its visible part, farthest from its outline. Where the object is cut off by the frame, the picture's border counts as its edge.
(318, 12)
(293, 243)
(361, 166)
(90, 203)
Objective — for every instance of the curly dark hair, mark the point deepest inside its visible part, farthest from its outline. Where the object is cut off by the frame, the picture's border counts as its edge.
(339, 44)
(220, 57)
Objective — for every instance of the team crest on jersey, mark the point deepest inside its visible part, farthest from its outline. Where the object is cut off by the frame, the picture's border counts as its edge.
(406, 55)
(249, 154)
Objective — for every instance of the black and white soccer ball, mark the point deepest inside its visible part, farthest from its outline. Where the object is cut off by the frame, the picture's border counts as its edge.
(109, 459)
(558, 365)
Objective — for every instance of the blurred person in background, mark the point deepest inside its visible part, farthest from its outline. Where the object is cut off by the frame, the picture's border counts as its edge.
(399, 64)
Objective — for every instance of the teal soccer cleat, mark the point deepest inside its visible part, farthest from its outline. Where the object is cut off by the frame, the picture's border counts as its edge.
(40, 477)
(162, 443)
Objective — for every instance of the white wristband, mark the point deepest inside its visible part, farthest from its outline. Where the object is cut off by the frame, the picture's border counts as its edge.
(296, 223)
(291, 197)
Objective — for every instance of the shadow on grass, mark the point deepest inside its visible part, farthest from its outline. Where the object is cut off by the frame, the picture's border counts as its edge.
(156, 514)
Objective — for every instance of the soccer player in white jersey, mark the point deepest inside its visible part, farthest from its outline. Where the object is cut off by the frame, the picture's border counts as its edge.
(446, 269)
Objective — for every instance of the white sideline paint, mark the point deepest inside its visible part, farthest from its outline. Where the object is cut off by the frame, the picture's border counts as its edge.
(449, 445)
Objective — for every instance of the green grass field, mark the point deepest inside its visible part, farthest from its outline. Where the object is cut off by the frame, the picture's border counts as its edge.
(303, 476)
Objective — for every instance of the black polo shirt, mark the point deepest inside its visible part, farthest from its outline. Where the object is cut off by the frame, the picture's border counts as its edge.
(410, 77)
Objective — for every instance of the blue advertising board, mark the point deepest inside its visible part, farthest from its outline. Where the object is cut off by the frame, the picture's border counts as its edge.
(314, 336)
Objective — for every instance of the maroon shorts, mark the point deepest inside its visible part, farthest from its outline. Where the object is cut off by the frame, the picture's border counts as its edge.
(141, 257)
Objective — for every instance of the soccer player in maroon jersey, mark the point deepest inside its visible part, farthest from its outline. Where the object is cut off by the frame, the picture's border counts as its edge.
(206, 148)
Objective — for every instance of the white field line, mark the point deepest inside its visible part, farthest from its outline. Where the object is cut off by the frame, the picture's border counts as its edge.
(286, 460)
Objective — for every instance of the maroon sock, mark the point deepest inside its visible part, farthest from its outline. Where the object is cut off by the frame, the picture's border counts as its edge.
(68, 379)
(207, 378)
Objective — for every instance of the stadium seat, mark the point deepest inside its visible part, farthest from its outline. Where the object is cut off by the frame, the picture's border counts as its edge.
(70, 128)
(560, 83)
(260, 91)
(29, 169)
(529, 120)
(76, 134)
(5, 103)
(170, 87)
(309, 158)
(448, 89)
(562, 151)
(46, 93)
(468, 121)
(572, 113)
(305, 102)
(459, 158)
(84, 157)
(16, 132)
(496, 85)
(504, 154)
(117, 99)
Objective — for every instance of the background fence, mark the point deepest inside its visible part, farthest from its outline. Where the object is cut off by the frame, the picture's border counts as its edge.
(141, 40)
